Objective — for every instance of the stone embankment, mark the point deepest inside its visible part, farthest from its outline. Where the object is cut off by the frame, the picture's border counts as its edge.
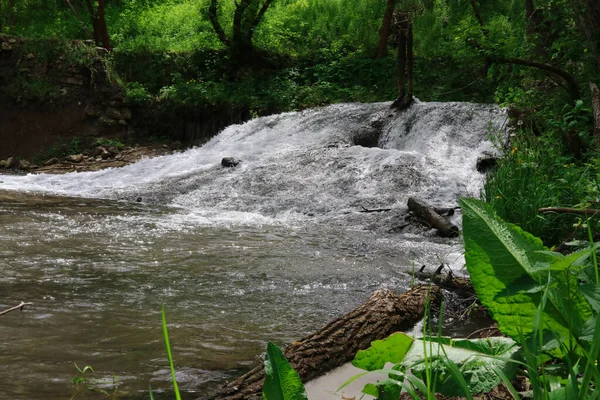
(52, 92)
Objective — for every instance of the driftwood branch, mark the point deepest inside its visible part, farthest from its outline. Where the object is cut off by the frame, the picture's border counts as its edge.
(338, 342)
(564, 210)
(372, 210)
(19, 307)
(423, 210)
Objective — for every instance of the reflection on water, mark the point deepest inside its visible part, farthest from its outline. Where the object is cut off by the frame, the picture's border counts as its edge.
(98, 271)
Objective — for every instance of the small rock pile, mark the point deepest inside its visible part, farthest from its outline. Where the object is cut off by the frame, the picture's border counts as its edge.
(13, 163)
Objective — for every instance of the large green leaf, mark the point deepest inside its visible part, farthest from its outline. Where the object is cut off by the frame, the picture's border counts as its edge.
(508, 266)
(282, 381)
(476, 360)
(392, 350)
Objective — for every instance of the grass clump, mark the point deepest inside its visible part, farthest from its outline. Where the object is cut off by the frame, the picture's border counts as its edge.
(538, 172)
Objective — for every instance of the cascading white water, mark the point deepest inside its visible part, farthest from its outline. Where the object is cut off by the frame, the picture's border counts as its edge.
(305, 164)
(268, 250)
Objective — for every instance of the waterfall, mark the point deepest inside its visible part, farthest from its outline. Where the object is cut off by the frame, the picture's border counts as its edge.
(316, 164)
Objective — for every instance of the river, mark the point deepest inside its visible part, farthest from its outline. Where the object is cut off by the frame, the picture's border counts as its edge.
(269, 250)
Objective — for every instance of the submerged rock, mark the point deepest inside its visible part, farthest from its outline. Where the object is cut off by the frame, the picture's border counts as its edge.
(229, 162)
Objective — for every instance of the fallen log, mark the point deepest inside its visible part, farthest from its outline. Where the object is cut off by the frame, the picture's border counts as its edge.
(338, 342)
(444, 227)
(461, 286)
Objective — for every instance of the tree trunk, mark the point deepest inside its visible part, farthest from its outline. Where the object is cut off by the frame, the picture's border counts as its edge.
(386, 29)
(529, 9)
(401, 80)
(426, 212)
(596, 110)
(411, 61)
(477, 15)
(587, 16)
(11, 14)
(102, 28)
(338, 342)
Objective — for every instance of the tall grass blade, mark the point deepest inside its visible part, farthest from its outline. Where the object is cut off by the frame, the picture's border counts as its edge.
(166, 336)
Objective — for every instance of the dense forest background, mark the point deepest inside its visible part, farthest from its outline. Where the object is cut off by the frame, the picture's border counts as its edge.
(538, 58)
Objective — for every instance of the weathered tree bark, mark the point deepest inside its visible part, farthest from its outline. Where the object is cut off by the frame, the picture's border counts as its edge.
(338, 342)
(402, 26)
(405, 61)
(99, 24)
(596, 109)
(386, 29)
(572, 86)
(423, 210)
(411, 61)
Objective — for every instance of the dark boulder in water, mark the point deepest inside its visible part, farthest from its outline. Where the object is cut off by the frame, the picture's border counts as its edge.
(230, 162)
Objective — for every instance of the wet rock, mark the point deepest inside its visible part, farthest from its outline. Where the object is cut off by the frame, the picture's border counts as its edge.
(2, 164)
(91, 111)
(486, 162)
(74, 158)
(176, 146)
(11, 162)
(107, 121)
(230, 162)
(6, 46)
(24, 164)
(113, 150)
(100, 152)
(51, 161)
(126, 113)
(113, 113)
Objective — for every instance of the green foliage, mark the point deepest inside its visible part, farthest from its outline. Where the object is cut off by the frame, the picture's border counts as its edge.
(109, 143)
(432, 358)
(536, 297)
(282, 381)
(84, 384)
(508, 268)
(537, 172)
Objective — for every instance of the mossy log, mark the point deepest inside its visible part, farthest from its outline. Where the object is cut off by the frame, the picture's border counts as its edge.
(338, 342)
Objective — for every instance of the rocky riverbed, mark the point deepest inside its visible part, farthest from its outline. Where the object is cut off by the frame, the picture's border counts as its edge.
(94, 159)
